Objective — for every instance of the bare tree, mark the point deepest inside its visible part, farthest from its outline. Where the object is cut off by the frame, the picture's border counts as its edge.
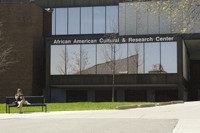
(64, 62)
(109, 52)
(6, 50)
(78, 62)
(81, 61)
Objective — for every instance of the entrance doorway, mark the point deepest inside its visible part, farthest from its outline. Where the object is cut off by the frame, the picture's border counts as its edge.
(193, 49)
(194, 80)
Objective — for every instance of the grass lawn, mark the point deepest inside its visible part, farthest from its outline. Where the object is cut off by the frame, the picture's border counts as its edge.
(73, 106)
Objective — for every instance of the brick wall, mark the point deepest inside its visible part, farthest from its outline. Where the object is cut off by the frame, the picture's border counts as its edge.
(22, 28)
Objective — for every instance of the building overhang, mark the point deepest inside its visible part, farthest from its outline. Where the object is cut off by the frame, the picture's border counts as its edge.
(116, 85)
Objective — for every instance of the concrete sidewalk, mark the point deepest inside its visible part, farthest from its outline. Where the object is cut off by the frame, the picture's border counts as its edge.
(175, 118)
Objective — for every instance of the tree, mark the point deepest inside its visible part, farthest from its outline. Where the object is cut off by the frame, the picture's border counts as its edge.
(78, 62)
(81, 61)
(64, 62)
(182, 14)
(6, 50)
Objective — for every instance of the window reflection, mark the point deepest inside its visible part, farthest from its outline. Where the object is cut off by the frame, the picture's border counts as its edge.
(74, 59)
(121, 58)
(61, 21)
(99, 19)
(152, 57)
(135, 58)
(53, 22)
(86, 20)
(74, 20)
(132, 58)
(57, 59)
(104, 58)
(141, 19)
(88, 59)
(169, 56)
(111, 19)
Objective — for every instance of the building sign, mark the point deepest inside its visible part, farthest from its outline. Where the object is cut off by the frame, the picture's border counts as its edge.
(114, 40)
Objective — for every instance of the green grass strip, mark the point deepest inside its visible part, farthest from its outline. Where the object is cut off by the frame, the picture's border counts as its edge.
(73, 106)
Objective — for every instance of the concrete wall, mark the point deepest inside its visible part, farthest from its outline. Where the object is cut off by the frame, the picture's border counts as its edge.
(22, 28)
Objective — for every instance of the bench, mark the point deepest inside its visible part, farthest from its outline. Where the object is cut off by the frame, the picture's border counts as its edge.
(34, 100)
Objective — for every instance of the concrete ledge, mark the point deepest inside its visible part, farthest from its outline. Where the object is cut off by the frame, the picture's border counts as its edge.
(175, 102)
(126, 107)
(163, 103)
(148, 105)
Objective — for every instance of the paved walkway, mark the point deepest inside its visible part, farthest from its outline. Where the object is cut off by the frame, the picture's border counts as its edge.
(175, 118)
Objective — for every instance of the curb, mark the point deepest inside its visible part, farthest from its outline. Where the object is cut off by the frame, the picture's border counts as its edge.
(148, 105)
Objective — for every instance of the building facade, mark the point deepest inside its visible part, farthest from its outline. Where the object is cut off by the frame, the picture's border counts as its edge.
(22, 29)
(120, 50)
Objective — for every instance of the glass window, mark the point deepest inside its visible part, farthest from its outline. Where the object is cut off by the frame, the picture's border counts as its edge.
(141, 19)
(74, 59)
(53, 22)
(99, 19)
(57, 59)
(130, 23)
(104, 59)
(132, 58)
(122, 19)
(165, 22)
(86, 20)
(74, 20)
(112, 19)
(88, 59)
(121, 58)
(153, 18)
(169, 56)
(61, 21)
(152, 58)
(135, 58)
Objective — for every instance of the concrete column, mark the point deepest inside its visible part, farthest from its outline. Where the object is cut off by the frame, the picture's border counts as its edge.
(120, 95)
(151, 96)
(91, 95)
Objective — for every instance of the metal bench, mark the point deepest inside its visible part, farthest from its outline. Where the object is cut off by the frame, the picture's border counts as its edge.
(34, 100)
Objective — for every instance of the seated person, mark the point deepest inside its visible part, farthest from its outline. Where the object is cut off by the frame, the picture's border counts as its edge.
(20, 99)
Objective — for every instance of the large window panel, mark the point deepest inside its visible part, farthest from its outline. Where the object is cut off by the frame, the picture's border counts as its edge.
(61, 21)
(112, 19)
(104, 58)
(142, 19)
(53, 22)
(153, 18)
(169, 56)
(165, 22)
(57, 60)
(86, 20)
(135, 58)
(74, 20)
(99, 19)
(88, 59)
(152, 57)
(121, 58)
(74, 59)
(122, 19)
(130, 16)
